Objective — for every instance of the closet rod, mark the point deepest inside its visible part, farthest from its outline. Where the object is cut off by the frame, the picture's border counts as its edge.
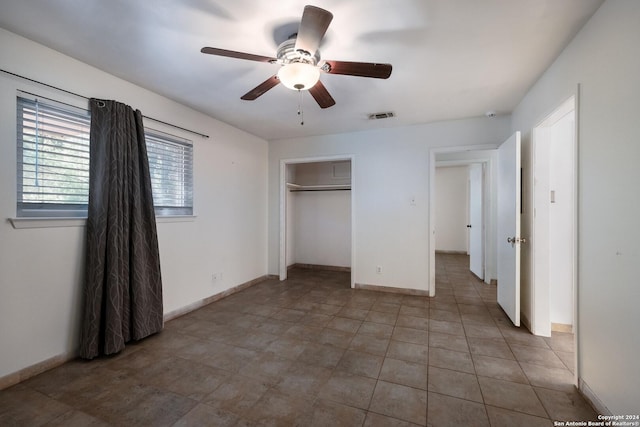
(87, 98)
(322, 189)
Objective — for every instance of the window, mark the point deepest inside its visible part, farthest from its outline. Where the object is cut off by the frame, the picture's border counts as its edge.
(53, 163)
(171, 169)
(53, 159)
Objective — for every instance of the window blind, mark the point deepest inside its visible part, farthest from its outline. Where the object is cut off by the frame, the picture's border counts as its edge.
(53, 163)
(53, 159)
(171, 169)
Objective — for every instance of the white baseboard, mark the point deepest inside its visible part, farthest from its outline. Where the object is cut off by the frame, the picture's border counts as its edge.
(592, 399)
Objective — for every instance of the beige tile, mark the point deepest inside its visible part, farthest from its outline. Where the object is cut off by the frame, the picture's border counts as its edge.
(500, 417)
(398, 401)
(449, 316)
(327, 413)
(481, 319)
(303, 378)
(414, 311)
(414, 322)
(408, 351)
(358, 363)
(510, 395)
(267, 367)
(207, 415)
(502, 369)
(352, 390)
(344, 324)
(415, 301)
(287, 348)
(21, 406)
(353, 313)
(381, 317)
(521, 336)
(333, 337)
(472, 308)
(543, 376)
(237, 395)
(537, 356)
(565, 405)
(378, 329)
(377, 420)
(561, 341)
(323, 355)
(490, 347)
(275, 408)
(415, 336)
(447, 411)
(448, 359)
(568, 359)
(302, 332)
(449, 342)
(369, 344)
(454, 383)
(406, 373)
(445, 327)
(445, 306)
(386, 307)
(478, 330)
(189, 379)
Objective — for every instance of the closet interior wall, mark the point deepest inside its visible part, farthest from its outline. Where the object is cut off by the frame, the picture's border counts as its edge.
(319, 214)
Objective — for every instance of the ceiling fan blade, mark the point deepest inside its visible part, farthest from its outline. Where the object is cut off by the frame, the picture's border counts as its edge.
(313, 26)
(261, 88)
(321, 95)
(360, 69)
(238, 55)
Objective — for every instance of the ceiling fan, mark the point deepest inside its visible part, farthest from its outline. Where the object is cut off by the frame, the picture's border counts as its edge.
(300, 62)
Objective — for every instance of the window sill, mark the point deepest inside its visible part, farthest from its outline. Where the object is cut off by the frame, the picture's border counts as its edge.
(51, 222)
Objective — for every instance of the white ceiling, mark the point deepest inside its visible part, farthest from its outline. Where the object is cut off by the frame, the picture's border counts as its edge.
(451, 59)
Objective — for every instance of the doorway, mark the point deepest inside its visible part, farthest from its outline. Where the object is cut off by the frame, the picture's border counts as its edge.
(554, 231)
(483, 156)
(460, 212)
(316, 194)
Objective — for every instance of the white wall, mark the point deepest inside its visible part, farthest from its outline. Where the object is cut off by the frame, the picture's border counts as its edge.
(452, 208)
(561, 181)
(391, 166)
(41, 269)
(323, 228)
(603, 58)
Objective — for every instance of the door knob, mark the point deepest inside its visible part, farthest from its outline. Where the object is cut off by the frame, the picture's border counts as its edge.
(468, 225)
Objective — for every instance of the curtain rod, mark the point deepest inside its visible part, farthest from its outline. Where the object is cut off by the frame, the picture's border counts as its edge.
(87, 98)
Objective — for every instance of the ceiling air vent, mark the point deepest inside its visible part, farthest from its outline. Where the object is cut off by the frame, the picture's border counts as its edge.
(378, 116)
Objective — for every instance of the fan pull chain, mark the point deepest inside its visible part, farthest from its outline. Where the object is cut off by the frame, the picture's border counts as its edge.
(300, 108)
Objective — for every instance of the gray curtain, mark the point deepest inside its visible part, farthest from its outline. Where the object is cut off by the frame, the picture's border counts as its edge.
(123, 286)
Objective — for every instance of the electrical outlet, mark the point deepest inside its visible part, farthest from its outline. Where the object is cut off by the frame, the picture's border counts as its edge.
(379, 269)
(215, 277)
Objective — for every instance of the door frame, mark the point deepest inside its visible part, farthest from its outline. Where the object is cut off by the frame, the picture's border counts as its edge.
(557, 112)
(433, 163)
(283, 208)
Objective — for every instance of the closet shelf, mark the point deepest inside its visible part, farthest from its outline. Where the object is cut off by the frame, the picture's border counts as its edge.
(325, 187)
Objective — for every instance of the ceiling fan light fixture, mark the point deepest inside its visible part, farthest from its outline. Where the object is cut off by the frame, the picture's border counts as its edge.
(299, 75)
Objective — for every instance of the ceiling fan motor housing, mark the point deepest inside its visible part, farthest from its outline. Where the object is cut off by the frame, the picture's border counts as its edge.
(299, 71)
(287, 54)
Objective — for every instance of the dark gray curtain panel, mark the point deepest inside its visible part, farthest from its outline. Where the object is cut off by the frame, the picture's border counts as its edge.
(123, 286)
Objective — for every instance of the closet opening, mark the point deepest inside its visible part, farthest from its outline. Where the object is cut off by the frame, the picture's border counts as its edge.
(316, 215)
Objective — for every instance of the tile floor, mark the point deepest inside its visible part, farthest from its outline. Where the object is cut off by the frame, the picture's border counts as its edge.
(312, 352)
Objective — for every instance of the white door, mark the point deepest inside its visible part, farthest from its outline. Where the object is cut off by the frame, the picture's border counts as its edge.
(476, 243)
(509, 227)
